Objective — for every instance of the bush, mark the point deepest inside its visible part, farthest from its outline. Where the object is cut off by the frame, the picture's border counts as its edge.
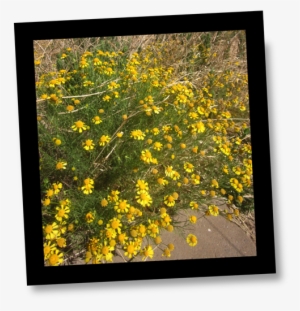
(130, 136)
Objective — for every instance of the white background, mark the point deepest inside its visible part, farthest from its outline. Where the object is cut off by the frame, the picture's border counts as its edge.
(265, 292)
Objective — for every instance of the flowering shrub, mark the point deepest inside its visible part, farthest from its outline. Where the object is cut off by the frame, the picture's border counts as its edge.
(128, 138)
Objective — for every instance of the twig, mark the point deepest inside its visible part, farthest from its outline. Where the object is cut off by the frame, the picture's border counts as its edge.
(74, 256)
(72, 111)
(121, 255)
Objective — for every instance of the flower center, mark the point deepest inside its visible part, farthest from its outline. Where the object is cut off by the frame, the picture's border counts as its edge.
(154, 229)
(105, 250)
(170, 199)
(130, 249)
(48, 229)
(121, 237)
(53, 259)
(115, 224)
(50, 193)
(122, 205)
(61, 213)
(79, 124)
(47, 250)
(193, 239)
(143, 196)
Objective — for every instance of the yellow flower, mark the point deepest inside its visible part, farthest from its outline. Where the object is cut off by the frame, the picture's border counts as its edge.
(169, 171)
(138, 134)
(169, 200)
(171, 247)
(166, 253)
(144, 198)
(51, 231)
(130, 249)
(110, 233)
(115, 224)
(88, 145)
(70, 227)
(189, 167)
(195, 149)
(79, 126)
(61, 242)
(157, 146)
(212, 193)
(162, 181)
(223, 191)
(194, 205)
(193, 115)
(236, 212)
(113, 85)
(104, 203)
(185, 180)
(106, 98)
(114, 196)
(70, 108)
(192, 240)
(104, 139)
(61, 165)
(170, 228)
(142, 230)
(237, 170)
(105, 251)
(225, 169)
(96, 120)
(213, 210)
(153, 230)
(198, 127)
(142, 185)
(176, 175)
(62, 212)
(155, 131)
(48, 249)
(46, 202)
(57, 141)
(240, 199)
(89, 217)
(157, 240)
(49, 193)
(55, 258)
(97, 61)
(193, 219)
(146, 156)
(195, 179)
(122, 206)
(214, 184)
(122, 238)
(147, 252)
(120, 134)
(88, 186)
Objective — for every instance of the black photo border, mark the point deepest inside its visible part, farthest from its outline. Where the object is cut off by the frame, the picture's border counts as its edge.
(252, 23)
